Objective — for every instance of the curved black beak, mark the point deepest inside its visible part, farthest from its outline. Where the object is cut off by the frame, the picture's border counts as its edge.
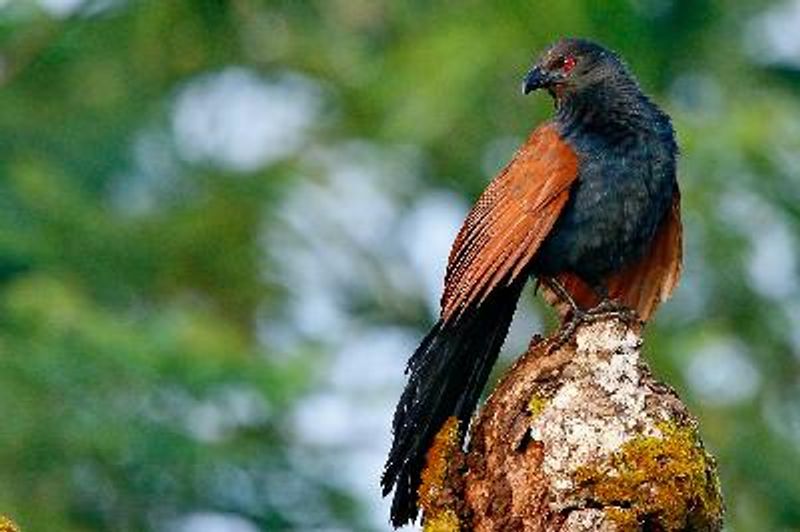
(535, 79)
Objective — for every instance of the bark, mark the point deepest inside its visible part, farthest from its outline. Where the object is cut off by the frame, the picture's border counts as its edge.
(578, 438)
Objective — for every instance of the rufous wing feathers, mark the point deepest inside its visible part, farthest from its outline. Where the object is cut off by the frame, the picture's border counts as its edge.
(510, 220)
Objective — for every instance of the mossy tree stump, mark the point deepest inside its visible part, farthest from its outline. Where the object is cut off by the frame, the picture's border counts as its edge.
(582, 438)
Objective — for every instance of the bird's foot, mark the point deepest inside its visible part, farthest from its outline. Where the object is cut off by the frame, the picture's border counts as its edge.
(567, 330)
(609, 308)
(603, 310)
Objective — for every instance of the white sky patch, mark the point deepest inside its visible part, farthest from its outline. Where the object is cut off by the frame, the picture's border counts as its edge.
(379, 352)
(214, 419)
(324, 419)
(721, 373)
(772, 265)
(426, 234)
(61, 8)
(352, 228)
(772, 37)
(240, 121)
(357, 194)
(212, 522)
(793, 313)
(772, 261)
(337, 235)
(527, 321)
(351, 415)
(360, 388)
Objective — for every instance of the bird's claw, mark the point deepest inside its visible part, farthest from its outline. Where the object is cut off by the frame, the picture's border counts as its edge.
(609, 308)
(567, 330)
(605, 309)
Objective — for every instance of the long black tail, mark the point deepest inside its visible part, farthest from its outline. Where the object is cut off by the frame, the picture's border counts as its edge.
(447, 373)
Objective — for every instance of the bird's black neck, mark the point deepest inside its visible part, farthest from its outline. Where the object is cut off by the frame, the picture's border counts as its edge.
(610, 111)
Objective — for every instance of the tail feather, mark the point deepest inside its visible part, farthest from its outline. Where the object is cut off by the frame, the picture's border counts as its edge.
(447, 373)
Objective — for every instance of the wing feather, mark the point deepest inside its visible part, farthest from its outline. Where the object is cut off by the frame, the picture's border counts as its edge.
(509, 221)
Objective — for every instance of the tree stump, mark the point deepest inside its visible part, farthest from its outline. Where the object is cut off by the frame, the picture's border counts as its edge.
(579, 438)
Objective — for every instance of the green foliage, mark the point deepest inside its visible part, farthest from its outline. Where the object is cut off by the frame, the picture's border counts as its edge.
(107, 411)
(153, 360)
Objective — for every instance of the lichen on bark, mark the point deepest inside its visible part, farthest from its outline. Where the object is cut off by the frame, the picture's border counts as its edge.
(662, 481)
(442, 481)
(7, 525)
(579, 438)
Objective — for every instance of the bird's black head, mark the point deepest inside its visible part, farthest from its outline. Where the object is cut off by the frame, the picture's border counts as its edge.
(574, 66)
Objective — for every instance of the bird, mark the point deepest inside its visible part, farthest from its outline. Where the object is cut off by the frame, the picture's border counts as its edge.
(588, 207)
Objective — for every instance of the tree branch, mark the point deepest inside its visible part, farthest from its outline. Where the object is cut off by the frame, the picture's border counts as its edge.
(580, 439)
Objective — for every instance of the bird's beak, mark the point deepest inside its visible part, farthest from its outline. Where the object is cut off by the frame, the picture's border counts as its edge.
(535, 79)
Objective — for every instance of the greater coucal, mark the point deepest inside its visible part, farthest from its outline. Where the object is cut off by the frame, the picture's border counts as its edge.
(589, 206)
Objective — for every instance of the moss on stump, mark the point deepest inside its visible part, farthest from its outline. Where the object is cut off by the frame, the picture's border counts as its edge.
(578, 438)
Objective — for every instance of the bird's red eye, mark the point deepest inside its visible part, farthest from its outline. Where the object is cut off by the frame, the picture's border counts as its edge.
(568, 64)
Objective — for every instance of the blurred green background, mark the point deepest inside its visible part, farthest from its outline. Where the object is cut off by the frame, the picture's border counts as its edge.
(224, 224)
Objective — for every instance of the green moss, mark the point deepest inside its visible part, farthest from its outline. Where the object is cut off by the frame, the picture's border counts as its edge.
(625, 518)
(444, 521)
(434, 497)
(536, 405)
(7, 525)
(669, 482)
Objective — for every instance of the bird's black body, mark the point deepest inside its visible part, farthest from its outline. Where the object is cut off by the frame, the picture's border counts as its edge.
(619, 193)
(626, 181)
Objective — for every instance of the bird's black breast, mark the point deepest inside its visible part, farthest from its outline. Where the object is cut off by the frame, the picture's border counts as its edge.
(624, 187)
